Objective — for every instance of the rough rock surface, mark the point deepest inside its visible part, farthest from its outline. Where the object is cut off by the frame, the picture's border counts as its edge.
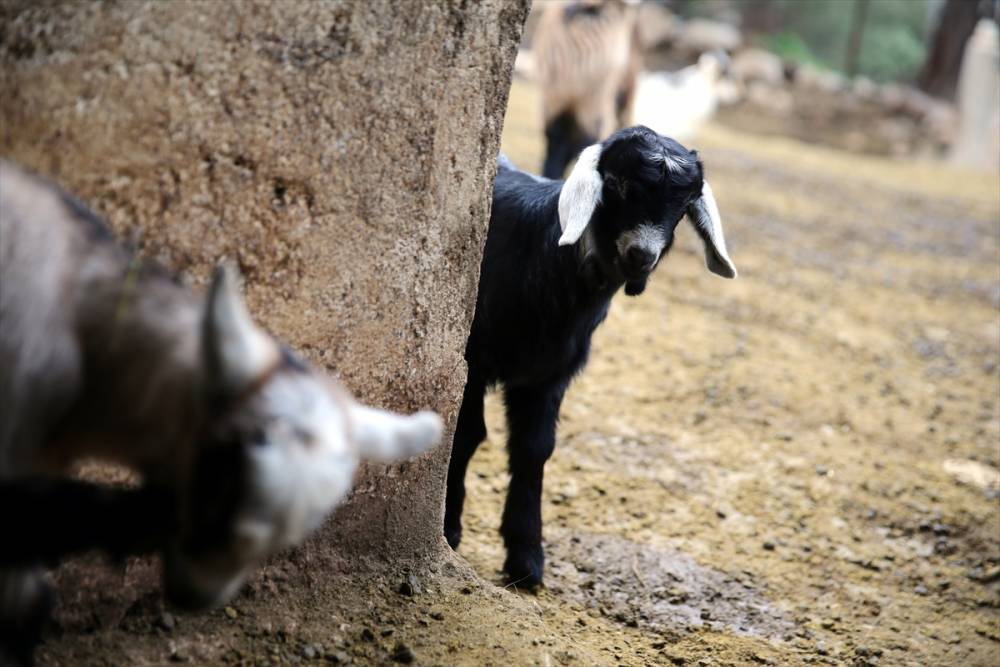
(341, 152)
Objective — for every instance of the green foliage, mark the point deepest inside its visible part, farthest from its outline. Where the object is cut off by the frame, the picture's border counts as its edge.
(895, 40)
(817, 31)
(790, 46)
(890, 53)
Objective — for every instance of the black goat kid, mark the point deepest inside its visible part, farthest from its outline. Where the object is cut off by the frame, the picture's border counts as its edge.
(555, 255)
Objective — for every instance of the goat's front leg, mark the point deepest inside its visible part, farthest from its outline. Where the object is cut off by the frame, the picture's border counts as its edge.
(532, 414)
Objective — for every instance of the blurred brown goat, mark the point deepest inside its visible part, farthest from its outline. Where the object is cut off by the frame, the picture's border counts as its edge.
(587, 58)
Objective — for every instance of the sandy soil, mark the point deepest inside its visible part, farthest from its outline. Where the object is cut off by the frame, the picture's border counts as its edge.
(800, 466)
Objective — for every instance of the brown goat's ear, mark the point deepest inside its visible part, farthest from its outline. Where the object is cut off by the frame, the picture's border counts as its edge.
(236, 353)
(704, 215)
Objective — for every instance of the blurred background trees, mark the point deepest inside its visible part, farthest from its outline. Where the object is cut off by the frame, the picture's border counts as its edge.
(956, 21)
(897, 40)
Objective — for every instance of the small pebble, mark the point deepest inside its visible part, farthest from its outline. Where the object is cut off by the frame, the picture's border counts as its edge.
(437, 615)
(920, 589)
(769, 546)
(367, 635)
(339, 657)
(402, 653)
(167, 621)
(984, 576)
(177, 654)
(308, 652)
(230, 612)
(410, 587)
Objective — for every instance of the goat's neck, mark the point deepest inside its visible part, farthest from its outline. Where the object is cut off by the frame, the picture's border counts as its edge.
(591, 283)
(140, 399)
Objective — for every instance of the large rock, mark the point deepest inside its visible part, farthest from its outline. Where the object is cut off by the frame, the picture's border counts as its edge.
(341, 152)
(753, 65)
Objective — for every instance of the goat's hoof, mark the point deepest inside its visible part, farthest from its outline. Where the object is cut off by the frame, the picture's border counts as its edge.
(454, 536)
(524, 567)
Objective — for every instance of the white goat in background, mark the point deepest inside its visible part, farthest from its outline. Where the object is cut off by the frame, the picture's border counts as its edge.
(677, 104)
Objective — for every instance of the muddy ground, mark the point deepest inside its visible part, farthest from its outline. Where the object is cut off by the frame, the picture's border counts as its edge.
(796, 467)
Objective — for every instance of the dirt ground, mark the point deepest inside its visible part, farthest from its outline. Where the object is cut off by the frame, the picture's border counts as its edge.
(799, 466)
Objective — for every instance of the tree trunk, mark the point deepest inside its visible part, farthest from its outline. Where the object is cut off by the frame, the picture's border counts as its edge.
(939, 74)
(342, 152)
(855, 37)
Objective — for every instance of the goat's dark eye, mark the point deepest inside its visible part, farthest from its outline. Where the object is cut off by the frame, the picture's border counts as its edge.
(257, 436)
(304, 436)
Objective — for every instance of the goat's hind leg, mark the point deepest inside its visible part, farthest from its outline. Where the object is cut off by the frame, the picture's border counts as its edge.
(470, 431)
(532, 414)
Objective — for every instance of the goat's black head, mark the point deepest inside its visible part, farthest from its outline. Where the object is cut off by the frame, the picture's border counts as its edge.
(624, 199)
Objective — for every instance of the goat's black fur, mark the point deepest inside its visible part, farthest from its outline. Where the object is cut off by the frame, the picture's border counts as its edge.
(47, 519)
(538, 305)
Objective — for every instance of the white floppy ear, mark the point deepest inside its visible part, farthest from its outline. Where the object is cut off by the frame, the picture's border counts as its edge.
(581, 193)
(381, 435)
(236, 352)
(704, 215)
